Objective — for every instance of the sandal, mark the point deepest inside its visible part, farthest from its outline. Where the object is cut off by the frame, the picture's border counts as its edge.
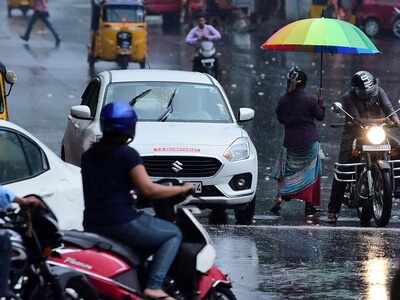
(277, 207)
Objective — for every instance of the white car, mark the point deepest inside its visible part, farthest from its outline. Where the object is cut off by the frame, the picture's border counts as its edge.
(29, 167)
(186, 130)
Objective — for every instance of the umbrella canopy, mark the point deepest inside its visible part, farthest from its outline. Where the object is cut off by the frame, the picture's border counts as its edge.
(321, 35)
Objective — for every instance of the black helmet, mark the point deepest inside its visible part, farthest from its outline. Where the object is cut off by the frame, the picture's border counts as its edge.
(364, 84)
(118, 118)
(295, 78)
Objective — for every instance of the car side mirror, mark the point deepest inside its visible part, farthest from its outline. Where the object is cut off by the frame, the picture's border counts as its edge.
(81, 112)
(245, 114)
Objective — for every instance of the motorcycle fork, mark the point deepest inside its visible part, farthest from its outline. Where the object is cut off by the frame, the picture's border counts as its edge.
(369, 175)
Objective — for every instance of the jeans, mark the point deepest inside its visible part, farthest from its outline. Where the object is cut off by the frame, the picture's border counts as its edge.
(5, 253)
(45, 19)
(150, 235)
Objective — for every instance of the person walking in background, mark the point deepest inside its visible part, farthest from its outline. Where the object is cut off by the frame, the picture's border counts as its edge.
(298, 168)
(40, 12)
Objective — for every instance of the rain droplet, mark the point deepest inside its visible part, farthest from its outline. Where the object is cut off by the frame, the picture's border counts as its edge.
(259, 83)
(267, 178)
(262, 76)
(251, 66)
(273, 59)
(71, 96)
(254, 72)
(267, 62)
(260, 93)
(323, 125)
(224, 72)
(49, 95)
(313, 64)
(234, 86)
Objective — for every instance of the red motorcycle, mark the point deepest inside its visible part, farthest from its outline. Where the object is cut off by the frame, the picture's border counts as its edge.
(119, 272)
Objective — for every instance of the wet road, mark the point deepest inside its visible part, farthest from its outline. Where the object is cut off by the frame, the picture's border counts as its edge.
(276, 262)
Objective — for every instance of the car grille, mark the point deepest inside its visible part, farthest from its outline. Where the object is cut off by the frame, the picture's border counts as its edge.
(181, 166)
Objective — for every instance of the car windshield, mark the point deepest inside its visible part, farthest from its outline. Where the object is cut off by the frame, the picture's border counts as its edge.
(123, 13)
(190, 103)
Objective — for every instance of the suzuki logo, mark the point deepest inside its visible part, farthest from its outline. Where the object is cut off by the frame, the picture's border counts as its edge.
(177, 166)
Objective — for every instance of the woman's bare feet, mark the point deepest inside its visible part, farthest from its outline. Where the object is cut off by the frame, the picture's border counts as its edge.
(157, 294)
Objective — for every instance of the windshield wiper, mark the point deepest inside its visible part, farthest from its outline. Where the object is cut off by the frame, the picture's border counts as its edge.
(136, 98)
(169, 109)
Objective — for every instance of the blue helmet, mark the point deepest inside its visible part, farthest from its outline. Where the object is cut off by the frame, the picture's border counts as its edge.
(118, 118)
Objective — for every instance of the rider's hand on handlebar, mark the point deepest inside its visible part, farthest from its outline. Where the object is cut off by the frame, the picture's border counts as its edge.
(187, 189)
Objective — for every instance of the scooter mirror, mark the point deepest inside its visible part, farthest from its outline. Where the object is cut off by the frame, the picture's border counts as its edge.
(337, 107)
(11, 77)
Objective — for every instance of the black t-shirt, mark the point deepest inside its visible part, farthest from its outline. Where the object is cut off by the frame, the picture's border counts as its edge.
(107, 186)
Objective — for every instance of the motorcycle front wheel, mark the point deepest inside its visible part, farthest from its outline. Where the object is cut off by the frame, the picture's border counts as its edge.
(382, 198)
(221, 293)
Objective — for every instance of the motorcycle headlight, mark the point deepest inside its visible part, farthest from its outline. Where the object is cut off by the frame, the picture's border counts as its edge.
(238, 150)
(376, 135)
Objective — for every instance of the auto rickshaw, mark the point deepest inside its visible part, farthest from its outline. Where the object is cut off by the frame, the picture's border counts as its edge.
(6, 78)
(319, 9)
(118, 32)
(23, 5)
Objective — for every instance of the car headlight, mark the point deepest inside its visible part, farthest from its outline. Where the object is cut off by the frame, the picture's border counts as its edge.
(376, 135)
(238, 150)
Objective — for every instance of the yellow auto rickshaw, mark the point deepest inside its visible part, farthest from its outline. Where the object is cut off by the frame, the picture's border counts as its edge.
(7, 80)
(23, 5)
(118, 32)
(321, 8)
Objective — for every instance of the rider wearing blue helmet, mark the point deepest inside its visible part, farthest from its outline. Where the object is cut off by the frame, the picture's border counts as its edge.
(110, 171)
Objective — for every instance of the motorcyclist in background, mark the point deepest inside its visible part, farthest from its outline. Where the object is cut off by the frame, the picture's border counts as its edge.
(366, 100)
(201, 32)
(6, 198)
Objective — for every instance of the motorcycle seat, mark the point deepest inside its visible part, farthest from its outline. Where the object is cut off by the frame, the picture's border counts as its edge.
(88, 240)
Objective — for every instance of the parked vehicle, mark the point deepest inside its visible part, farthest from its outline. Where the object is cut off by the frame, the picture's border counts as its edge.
(23, 5)
(27, 166)
(119, 272)
(206, 60)
(376, 15)
(119, 32)
(370, 180)
(7, 80)
(34, 233)
(169, 9)
(186, 130)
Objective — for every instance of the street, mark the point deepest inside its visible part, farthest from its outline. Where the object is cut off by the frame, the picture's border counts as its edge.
(277, 257)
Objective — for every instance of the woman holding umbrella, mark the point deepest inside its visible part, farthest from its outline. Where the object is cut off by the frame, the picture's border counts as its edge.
(298, 167)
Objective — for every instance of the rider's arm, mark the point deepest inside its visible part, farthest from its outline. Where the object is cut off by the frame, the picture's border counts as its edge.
(151, 190)
(192, 37)
(387, 106)
(214, 34)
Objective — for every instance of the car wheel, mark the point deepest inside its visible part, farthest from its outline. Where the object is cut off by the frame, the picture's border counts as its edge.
(245, 215)
(371, 27)
(218, 216)
(396, 28)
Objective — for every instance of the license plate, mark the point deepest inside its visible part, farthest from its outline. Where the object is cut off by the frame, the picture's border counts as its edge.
(124, 51)
(197, 187)
(376, 148)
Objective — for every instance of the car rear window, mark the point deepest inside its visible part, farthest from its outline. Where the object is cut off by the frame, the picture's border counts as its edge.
(190, 103)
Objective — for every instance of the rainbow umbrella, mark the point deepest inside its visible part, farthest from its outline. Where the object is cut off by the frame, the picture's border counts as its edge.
(321, 35)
